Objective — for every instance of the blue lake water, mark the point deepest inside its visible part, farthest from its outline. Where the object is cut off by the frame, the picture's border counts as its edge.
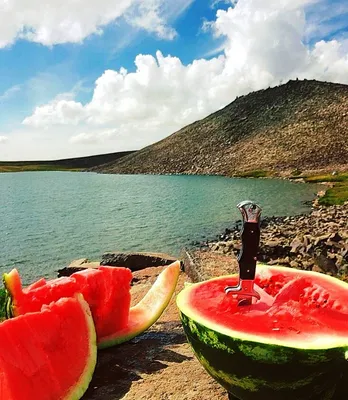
(50, 218)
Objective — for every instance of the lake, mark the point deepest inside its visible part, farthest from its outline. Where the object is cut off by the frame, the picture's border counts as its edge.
(50, 218)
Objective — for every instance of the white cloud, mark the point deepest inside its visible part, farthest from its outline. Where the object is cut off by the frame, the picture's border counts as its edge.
(147, 15)
(3, 139)
(264, 44)
(56, 112)
(52, 22)
(93, 137)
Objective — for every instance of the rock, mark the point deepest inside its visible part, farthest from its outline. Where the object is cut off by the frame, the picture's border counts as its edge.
(316, 268)
(307, 264)
(335, 237)
(325, 263)
(309, 247)
(200, 265)
(294, 264)
(136, 261)
(133, 261)
(295, 245)
(273, 242)
(321, 238)
(77, 265)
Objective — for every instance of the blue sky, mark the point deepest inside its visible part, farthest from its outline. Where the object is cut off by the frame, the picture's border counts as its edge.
(121, 74)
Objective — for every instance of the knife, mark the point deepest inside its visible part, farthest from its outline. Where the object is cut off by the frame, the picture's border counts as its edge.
(250, 236)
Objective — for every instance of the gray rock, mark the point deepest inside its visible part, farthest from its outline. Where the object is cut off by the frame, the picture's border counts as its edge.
(326, 264)
(136, 261)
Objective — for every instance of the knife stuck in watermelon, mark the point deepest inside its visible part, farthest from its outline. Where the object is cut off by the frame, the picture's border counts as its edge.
(271, 332)
(106, 290)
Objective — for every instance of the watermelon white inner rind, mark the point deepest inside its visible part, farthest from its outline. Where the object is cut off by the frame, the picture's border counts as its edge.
(189, 305)
(81, 386)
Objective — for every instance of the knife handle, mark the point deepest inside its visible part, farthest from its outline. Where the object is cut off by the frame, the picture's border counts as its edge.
(250, 239)
(248, 255)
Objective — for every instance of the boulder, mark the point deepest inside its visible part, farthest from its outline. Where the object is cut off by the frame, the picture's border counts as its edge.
(77, 265)
(133, 261)
(136, 261)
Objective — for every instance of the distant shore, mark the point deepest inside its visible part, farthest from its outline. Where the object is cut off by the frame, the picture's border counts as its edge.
(66, 164)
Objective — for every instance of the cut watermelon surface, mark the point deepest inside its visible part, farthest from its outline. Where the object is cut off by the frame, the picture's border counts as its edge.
(291, 344)
(50, 354)
(107, 291)
(149, 309)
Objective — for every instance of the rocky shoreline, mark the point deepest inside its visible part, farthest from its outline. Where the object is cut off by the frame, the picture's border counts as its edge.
(316, 241)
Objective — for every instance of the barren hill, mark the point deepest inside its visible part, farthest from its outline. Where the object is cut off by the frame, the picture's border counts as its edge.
(301, 125)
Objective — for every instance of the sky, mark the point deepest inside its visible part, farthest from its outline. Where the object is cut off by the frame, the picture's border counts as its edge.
(81, 78)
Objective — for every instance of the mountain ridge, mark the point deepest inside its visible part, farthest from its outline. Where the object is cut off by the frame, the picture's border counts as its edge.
(298, 126)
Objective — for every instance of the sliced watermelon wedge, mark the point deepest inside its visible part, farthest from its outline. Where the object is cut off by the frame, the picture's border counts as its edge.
(149, 309)
(50, 354)
(107, 291)
(102, 288)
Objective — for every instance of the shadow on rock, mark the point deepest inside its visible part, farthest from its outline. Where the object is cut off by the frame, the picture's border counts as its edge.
(121, 365)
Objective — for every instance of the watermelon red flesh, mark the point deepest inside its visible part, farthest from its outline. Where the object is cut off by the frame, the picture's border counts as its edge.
(149, 309)
(106, 289)
(302, 309)
(50, 354)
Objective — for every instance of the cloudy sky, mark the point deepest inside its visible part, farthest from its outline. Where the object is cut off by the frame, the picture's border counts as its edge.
(81, 78)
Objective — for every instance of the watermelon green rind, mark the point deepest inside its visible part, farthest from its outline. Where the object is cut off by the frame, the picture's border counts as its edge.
(255, 367)
(324, 342)
(12, 287)
(82, 384)
(258, 371)
(143, 315)
(3, 304)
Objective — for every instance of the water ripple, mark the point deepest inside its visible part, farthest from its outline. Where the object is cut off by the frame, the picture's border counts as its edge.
(51, 218)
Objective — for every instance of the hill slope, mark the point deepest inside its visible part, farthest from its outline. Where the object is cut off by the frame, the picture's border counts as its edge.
(301, 125)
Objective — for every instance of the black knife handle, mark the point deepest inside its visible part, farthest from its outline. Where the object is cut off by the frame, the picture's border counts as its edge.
(248, 255)
(250, 239)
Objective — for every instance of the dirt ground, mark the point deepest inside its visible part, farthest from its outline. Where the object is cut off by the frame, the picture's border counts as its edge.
(157, 365)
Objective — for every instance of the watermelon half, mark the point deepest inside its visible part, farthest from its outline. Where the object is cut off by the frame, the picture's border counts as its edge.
(50, 354)
(291, 344)
(107, 291)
